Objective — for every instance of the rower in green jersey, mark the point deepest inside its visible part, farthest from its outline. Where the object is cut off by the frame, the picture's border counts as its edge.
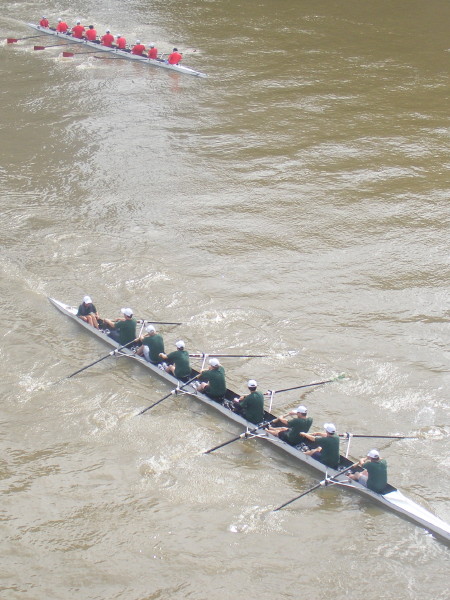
(152, 345)
(374, 475)
(123, 330)
(177, 362)
(213, 381)
(291, 430)
(327, 451)
(251, 407)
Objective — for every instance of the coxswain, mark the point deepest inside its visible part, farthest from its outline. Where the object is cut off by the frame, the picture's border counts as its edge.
(44, 22)
(123, 330)
(177, 362)
(251, 406)
(212, 381)
(175, 57)
(290, 430)
(138, 49)
(374, 475)
(153, 52)
(107, 39)
(327, 450)
(62, 26)
(87, 312)
(91, 34)
(78, 30)
(121, 42)
(152, 345)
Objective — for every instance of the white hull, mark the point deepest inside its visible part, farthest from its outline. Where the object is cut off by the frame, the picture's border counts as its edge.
(117, 53)
(394, 500)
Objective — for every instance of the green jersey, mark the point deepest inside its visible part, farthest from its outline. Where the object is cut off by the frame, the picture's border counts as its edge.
(127, 331)
(155, 345)
(252, 407)
(292, 435)
(216, 379)
(180, 358)
(377, 475)
(329, 454)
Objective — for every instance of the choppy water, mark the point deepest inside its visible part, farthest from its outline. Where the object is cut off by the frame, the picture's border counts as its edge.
(296, 200)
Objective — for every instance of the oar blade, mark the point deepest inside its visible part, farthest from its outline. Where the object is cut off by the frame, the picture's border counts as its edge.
(68, 54)
(38, 47)
(11, 40)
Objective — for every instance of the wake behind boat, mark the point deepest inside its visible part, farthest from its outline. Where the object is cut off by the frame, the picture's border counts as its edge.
(391, 498)
(119, 54)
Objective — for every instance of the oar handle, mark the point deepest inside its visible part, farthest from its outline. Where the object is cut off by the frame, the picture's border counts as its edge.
(172, 392)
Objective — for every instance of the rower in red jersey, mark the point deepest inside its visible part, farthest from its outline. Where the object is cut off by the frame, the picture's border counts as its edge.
(121, 42)
(62, 26)
(44, 22)
(175, 57)
(138, 48)
(153, 52)
(78, 30)
(91, 34)
(107, 39)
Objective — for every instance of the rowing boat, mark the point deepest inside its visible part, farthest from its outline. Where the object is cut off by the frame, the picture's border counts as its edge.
(391, 498)
(64, 37)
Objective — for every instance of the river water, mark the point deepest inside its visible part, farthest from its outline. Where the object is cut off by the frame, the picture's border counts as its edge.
(295, 203)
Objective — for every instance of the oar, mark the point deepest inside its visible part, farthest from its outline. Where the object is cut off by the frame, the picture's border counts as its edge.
(229, 355)
(348, 435)
(298, 387)
(155, 322)
(174, 391)
(72, 54)
(99, 360)
(54, 45)
(263, 425)
(323, 482)
(14, 40)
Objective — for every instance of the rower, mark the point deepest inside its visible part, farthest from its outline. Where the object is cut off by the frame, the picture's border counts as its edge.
(107, 39)
(178, 362)
(175, 57)
(44, 22)
(374, 475)
(87, 312)
(138, 49)
(121, 42)
(213, 381)
(251, 406)
(327, 451)
(153, 52)
(78, 30)
(152, 345)
(290, 430)
(91, 34)
(123, 329)
(62, 26)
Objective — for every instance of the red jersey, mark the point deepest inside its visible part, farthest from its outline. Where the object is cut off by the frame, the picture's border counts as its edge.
(62, 27)
(107, 40)
(78, 31)
(90, 35)
(121, 43)
(174, 58)
(43, 22)
(153, 53)
(138, 49)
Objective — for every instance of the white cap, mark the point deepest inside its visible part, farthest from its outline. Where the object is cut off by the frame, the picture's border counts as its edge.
(119, 35)
(87, 300)
(150, 329)
(138, 41)
(214, 362)
(180, 344)
(373, 453)
(152, 45)
(252, 383)
(60, 20)
(78, 22)
(127, 312)
(108, 31)
(301, 409)
(44, 17)
(330, 427)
